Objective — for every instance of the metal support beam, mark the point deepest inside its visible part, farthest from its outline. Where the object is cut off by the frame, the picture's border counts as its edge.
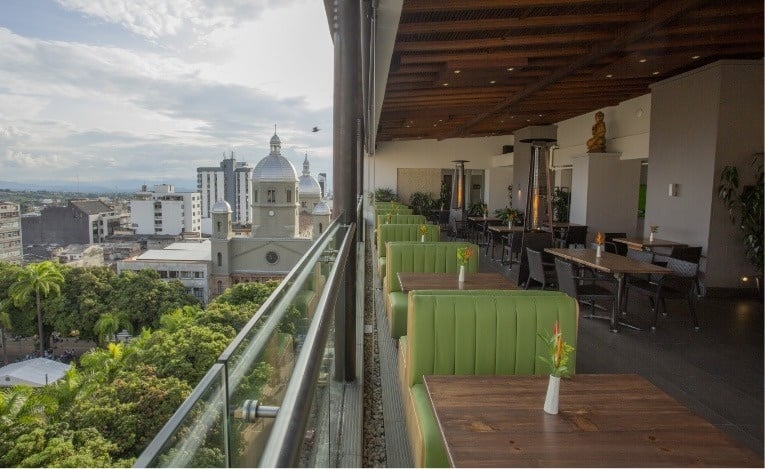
(346, 113)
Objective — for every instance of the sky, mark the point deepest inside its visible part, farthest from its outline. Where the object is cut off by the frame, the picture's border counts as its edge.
(128, 92)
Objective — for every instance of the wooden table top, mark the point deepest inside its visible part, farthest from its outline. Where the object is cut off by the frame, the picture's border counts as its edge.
(503, 229)
(481, 219)
(560, 224)
(431, 281)
(646, 243)
(603, 421)
(608, 262)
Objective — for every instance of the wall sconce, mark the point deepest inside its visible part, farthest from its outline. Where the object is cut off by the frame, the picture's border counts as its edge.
(673, 188)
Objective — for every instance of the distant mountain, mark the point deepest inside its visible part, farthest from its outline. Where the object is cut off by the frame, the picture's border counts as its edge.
(96, 187)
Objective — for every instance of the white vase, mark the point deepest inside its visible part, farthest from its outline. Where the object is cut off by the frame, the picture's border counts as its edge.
(598, 251)
(650, 237)
(509, 224)
(422, 238)
(461, 277)
(553, 392)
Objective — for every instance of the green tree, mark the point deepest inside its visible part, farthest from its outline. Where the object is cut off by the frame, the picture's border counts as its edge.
(131, 409)
(109, 324)
(37, 281)
(5, 323)
(83, 298)
(144, 298)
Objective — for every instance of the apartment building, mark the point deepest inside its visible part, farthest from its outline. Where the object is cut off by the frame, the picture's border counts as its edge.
(165, 212)
(10, 233)
(230, 182)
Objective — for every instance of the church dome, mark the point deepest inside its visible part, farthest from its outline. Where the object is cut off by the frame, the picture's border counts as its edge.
(221, 206)
(321, 209)
(274, 167)
(308, 185)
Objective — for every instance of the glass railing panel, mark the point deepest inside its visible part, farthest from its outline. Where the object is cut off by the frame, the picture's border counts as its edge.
(261, 363)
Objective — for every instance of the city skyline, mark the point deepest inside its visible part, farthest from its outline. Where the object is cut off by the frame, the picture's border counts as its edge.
(111, 91)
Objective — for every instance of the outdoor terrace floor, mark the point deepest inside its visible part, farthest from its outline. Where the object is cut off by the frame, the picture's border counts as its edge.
(716, 372)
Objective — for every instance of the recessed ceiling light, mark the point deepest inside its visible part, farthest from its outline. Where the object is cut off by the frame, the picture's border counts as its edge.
(512, 117)
(510, 69)
(528, 120)
(541, 115)
(695, 57)
(655, 73)
(493, 81)
(446, 84)
(609, 76)
(502, 120)
(457, 71)
(641, 61)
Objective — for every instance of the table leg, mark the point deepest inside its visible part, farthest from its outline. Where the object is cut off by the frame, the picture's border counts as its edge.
(621, 285)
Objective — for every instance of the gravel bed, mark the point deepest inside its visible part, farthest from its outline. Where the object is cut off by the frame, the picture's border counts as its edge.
(374, 428)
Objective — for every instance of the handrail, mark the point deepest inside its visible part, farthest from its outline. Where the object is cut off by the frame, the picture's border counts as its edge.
(276, 304)
(282, 450)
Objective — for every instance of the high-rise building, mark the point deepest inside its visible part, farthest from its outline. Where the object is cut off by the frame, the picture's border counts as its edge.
(230, 182)
(11, 249)
(165, 211)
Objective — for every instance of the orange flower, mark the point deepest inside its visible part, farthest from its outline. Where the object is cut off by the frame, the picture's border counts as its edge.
(464, 255)
(599, 238)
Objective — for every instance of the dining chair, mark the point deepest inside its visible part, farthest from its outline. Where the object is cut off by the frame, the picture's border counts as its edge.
(576, 236)
(620, 248)
(681, 283)
(588, 290)
(513, 248)
(539, 271)
(458, 230)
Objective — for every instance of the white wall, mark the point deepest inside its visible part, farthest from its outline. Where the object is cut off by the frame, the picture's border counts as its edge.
(691, 139)
(627, 131)
(382, 169)
(604, 194)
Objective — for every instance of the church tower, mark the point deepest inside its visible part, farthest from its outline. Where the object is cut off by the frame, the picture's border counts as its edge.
(275, 195)
(220, 245)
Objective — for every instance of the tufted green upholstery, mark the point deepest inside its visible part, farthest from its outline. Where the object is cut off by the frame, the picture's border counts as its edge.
(408, 256)
(491, 332)
(401, 232)
(405, 218)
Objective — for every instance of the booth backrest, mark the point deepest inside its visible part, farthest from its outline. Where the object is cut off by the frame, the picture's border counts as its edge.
(409, 256)
(404, 232)
(400, 219)
(490, 332)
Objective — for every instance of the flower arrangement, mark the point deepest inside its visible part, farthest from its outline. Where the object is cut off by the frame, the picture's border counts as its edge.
(423, 230)
(390, 217)
(463, 255)
(485, 210)
(654, 228)
(559, 352)
(599, 238)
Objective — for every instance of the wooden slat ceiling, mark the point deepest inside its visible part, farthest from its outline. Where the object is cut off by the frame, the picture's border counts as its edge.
(467, 68)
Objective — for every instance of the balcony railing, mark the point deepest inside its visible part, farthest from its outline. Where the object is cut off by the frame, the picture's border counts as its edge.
(266, 401)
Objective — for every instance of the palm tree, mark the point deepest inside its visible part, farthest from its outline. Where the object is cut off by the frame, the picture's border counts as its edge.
(5, 323)
(109, 324)
(38, 281)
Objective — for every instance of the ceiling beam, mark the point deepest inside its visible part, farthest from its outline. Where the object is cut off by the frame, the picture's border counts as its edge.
(426, 6)
(510, 24)
(458, 44)
(659, 15)
(503, 58)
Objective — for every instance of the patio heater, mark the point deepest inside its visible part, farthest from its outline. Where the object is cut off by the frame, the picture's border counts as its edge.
(538, 199)
(457, 205)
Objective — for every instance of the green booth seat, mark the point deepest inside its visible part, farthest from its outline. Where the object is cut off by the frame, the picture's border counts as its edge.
(399, 216)
(401, 232)
(489, 332)
(413, 256)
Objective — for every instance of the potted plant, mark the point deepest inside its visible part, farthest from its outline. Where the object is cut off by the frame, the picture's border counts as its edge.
(745, 206)
(384, 194)
(561, 204)
(509, 215)
(422, 203)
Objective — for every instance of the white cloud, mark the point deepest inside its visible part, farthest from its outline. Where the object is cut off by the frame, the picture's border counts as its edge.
(71, 110)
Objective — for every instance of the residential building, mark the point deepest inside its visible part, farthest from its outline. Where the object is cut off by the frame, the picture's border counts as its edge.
(80, 255)
(165, 211)
(11, 249)
(188, 262)
(230, 182)
(80, 221)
